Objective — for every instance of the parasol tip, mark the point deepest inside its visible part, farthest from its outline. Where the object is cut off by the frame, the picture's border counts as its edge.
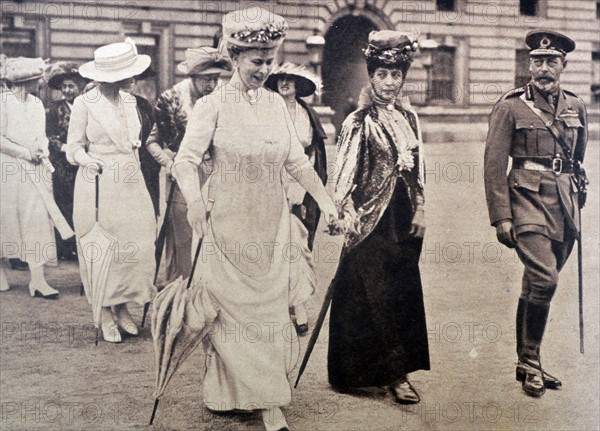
(156, 400)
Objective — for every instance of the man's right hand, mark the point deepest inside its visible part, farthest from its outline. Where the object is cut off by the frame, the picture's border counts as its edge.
(505, 232)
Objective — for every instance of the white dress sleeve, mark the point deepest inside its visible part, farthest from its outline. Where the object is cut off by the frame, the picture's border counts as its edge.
(299, 166)
(77, 134)
(198, 137)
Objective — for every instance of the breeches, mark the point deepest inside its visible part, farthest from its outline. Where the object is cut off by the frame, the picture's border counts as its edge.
(543, 259)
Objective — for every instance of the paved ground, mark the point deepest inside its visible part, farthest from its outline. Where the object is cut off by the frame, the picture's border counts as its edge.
(52, 376)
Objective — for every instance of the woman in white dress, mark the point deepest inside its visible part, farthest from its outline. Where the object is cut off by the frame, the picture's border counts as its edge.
(244, 265)
(293, 83)
(104, 137)
(27, 232)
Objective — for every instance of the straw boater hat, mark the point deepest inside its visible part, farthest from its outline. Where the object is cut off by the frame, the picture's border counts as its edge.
(306, 82)
(62, 71)
(115, 62)
(21, 69)
(254, 27)
(203, 60)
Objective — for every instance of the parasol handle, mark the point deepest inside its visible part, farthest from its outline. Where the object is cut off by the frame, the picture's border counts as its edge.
(98, 191)
(209, 206)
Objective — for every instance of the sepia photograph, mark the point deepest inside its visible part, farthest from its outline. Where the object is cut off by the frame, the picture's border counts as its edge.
(283, 215)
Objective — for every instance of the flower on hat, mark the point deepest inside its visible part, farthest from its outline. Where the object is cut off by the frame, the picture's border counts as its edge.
(254, 27)
(271, 33)
(391, 47)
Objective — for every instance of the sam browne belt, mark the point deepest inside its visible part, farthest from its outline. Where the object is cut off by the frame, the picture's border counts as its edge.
(556, 165)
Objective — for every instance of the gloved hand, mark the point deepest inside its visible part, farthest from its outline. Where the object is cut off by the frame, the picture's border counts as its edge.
(505, 232)
(92, 165)
(196, 216)
(417, 229)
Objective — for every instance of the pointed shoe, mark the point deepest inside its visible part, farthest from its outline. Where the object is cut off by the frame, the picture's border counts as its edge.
(404, 393)
(110, 332)
(274, 420)
(124, 320)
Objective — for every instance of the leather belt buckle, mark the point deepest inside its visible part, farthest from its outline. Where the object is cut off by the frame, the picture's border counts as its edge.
(557, 166)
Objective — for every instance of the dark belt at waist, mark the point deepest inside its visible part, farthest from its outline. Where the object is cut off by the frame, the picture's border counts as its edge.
(556, 165)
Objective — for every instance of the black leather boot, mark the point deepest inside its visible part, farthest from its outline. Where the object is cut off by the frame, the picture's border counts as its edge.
(531, 323)
(550, 382)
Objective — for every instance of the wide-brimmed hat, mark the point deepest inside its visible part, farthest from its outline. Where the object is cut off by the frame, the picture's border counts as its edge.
(548, 42)
(115, 62)
(306, 82)
(21, 69)
(254, 27)
(63, 70)
(204, 60)
(391, 47)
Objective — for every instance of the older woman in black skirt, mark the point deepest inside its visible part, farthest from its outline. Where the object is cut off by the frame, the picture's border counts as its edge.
(378, 333)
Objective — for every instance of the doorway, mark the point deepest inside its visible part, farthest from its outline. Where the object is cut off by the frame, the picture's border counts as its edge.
(344, 66)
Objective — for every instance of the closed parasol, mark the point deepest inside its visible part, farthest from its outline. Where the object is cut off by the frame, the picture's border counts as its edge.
(182, 315)
(98, 250)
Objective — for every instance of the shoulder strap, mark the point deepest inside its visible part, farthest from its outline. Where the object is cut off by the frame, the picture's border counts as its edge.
(549, 123)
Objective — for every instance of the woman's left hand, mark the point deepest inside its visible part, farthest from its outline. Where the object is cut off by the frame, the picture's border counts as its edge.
(417, 229)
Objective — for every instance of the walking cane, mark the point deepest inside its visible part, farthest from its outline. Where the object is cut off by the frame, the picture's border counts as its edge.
(580, 277)
(209, 206)
(160, 244)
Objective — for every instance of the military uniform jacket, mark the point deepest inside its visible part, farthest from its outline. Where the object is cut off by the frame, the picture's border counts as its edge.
(535, 200)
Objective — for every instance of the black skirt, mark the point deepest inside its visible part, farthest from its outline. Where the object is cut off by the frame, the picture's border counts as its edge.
(377, 330)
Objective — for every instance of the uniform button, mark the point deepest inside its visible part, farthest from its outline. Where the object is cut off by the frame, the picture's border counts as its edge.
(516, 184)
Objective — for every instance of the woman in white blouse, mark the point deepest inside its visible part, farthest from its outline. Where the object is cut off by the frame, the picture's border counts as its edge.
(252, 142)
(26, 232)
(104, 137)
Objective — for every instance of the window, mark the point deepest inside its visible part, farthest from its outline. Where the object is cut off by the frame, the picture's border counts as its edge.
(16, 41)
(522, 74)
(598, 10)
(596, 76)
(445, 5)
(443, 75)
(529, 7)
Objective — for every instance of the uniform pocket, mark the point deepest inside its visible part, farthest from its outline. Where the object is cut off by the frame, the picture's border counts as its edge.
(527, 135)
(525, 179)
(572, 123)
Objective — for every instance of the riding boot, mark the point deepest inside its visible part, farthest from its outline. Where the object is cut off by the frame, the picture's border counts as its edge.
(531, 323)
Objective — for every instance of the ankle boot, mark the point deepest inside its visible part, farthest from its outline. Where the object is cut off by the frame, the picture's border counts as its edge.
(38, 287)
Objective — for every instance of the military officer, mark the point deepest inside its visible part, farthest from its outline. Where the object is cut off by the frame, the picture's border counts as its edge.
(542, 127)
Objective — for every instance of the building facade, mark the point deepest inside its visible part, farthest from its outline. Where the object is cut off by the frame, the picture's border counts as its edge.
(480, 51)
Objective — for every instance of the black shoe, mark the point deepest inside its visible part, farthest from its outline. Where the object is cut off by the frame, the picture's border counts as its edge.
(550, 382)
(533, 384)
(404, 393)
(302, 329)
